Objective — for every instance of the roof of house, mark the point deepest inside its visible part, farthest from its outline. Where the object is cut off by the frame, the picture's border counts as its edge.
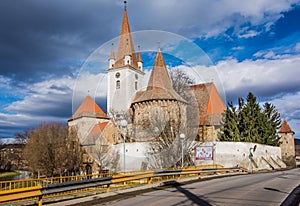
(285, 128)
(98, 128)
(159, 85)
(125, 45)
(89, 108)
(211, 105)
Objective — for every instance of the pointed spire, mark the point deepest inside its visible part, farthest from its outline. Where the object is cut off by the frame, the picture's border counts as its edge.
(139, 58)
(125, 45)
(112, 53)
(89, 108)
(285, 128)
(159, 75)
(159, 85)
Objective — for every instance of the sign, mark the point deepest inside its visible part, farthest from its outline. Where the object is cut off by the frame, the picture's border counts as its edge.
(203, 153)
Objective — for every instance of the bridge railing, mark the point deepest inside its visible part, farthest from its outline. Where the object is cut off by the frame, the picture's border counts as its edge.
(43, 188)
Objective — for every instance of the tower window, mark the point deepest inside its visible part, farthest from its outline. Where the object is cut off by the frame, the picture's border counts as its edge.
(118, 84)
(136, 85)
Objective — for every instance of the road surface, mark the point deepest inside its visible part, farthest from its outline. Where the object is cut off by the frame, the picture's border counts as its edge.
(255, 189)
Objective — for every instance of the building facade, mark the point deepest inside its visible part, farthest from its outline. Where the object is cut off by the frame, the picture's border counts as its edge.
(148, 112)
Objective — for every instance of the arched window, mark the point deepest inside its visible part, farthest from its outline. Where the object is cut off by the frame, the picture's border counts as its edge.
(136, 85)
(118, 84)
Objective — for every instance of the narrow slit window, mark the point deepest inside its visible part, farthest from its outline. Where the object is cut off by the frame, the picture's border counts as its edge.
(118, 84)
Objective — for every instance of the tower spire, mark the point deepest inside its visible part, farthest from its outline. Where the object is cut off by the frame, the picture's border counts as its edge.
(125, 45)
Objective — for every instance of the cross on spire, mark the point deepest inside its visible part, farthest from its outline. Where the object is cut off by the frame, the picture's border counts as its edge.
(125, 6)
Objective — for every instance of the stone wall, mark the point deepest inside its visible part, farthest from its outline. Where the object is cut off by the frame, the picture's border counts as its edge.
(157, 115)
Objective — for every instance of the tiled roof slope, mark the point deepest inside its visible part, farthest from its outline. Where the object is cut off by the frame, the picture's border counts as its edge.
(159, 85)
(285, 128)
(89, 108)
(98, 128)
(211, 105)
(125, 45)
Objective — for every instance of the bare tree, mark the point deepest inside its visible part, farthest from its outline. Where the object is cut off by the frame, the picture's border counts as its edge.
(47, 150)
(21, 138)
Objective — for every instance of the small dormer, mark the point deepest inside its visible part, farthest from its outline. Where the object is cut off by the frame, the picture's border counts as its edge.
(139, 60)
(112, 59)
(127, 60)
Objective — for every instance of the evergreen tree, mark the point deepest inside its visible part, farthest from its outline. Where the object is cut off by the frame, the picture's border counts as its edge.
(249, 118)
(251, 123)
(230, 130)
(273, 121)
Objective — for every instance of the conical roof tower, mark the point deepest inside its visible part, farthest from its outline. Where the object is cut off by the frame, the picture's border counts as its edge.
(159, 84)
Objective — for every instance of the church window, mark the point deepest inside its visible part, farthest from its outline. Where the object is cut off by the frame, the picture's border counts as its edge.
(117, 75)
(118, 84)
(136, 85)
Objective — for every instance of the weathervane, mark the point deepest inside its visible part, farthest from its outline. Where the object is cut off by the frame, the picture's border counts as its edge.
(125, 2)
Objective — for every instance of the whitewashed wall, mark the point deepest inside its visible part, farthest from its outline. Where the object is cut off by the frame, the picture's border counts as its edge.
(230, 154)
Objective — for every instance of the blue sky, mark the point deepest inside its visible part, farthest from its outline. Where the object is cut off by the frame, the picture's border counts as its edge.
(255, 46)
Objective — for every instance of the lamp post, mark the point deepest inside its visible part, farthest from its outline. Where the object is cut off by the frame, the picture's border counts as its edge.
(123, 124)
(182, 137)
(214, 154)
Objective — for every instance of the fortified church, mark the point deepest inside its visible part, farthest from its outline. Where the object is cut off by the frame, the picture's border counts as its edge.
(101, 135)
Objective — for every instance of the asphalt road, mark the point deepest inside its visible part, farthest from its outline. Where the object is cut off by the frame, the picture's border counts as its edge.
(256, 189)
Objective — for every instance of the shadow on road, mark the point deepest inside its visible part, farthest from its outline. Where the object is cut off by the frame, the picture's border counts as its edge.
(194, 198)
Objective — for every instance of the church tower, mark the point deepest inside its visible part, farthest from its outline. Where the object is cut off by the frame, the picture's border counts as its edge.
(125, 75)
(159, 106)
(287, 145)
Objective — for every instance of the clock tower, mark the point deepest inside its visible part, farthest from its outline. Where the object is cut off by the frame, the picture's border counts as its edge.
(125, 72)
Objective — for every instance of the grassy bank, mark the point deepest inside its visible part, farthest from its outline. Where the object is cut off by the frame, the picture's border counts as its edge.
(6, 175)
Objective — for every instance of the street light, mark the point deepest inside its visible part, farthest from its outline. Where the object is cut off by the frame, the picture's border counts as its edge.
(182, 137)
(214, 154)
(123, 124)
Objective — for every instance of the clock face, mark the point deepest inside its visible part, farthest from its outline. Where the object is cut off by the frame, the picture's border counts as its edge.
(117, 74)
(136, 76)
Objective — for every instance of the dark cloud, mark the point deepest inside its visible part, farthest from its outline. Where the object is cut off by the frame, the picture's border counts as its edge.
(42, 37)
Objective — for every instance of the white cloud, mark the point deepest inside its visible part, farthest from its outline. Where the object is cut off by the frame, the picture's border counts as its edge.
(248, 34)
(270, 54)
(238, 48)
(289, 109)
(297, 47)
(272, 80)
(208, 17)
(50, 100)
(263, 76)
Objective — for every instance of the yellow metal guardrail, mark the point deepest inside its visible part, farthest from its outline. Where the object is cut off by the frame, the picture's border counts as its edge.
(22, 193)
(48, 186)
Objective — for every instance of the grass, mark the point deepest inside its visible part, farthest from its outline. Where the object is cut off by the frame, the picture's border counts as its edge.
(8, 174)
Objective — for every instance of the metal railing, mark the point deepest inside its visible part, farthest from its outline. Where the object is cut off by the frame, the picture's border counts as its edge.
(47, 187)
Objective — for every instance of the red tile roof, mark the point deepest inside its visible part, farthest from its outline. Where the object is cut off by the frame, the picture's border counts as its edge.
(285, 128)
(211, 105)
(89, 108)
(98, 128)
(159, 85)
(139, 58)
